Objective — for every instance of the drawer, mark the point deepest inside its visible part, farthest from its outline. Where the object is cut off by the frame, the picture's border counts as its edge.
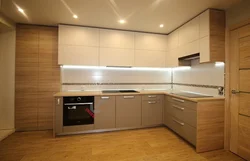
(152, 97)
(182, 102)
(184, 130)
(183, 113)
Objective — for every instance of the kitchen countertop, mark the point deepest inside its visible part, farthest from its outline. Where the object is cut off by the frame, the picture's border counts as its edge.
(146, 92)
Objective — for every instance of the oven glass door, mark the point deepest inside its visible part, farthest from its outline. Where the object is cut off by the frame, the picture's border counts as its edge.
(78, 114)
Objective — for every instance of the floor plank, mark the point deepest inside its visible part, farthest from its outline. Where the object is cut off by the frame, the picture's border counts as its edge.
(154, 144)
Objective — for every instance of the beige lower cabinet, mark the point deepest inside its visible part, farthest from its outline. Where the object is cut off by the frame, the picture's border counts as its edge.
(128, 111)
(152, 107)
(200, 123)
(104, 112)
(58, 116)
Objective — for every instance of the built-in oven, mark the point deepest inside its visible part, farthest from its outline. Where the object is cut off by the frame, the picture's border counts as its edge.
(78, 110)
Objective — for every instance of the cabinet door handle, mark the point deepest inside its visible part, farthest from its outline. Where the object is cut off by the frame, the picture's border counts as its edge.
(58, 101)
(179, 108)
(128, 97)
(105, 98)
(151, 102)
(152, 96)
(178, 122)
(179, 100)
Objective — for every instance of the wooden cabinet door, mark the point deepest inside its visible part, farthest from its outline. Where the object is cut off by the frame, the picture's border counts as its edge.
(128, 111)
(240, 94)
(104, 112)
(152, 112)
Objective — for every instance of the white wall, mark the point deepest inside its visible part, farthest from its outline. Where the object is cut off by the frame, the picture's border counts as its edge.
(238, 13)
(7, 79)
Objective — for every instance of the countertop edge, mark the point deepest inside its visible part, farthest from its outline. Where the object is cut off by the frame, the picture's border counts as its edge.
(97, 93)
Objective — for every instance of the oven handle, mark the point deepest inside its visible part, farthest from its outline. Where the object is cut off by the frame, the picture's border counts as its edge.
(74, 104)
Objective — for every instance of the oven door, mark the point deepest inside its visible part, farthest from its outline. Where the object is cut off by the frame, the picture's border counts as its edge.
(78, 114)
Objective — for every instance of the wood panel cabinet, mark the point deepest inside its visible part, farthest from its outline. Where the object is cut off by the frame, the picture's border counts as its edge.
(37, 76)
(104, 112)
(152, 107)
(199, 123)
(128, 111)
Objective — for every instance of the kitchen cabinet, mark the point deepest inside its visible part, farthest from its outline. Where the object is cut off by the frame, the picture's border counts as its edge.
(78, 55)
(116, 57)
(104, 112)
(150, 58)
(152, 107)
(173, 40)
(172, 58)
(58, 116)
(189, 32)
(145, 41)
(212, 36)
(200, 123)
(116, 39)
(78, 46)
(128, 111)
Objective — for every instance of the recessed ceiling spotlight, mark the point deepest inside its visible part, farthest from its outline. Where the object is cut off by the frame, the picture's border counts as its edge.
(161, 25)
(75, 16)
(20, 10)
(122, 21)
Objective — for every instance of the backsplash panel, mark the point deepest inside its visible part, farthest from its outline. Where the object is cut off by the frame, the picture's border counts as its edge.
(208, 77)
(98, 79)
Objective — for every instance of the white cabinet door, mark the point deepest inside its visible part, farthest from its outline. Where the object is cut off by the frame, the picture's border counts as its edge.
(116, 39)
(173, 40)
(189, 32)
(204, 49)
(204, 24)
(116, 57)
(74, 35)
(172, 58)
(193, 47)
(146, 58)
(144, 41)
(78, 55)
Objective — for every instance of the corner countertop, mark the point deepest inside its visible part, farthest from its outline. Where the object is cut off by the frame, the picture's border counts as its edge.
(144, 92)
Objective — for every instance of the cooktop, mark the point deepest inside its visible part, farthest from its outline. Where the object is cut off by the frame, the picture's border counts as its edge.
(119, 91)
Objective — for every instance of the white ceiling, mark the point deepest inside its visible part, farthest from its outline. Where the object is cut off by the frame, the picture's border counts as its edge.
(141, 15)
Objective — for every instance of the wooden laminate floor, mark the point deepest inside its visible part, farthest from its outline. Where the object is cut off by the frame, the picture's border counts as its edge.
(154, 144)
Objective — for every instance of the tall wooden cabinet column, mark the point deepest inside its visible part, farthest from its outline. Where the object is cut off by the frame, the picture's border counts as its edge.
(37, 76)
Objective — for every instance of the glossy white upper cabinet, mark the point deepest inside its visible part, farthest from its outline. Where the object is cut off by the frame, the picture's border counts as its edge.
(78, 55)
(189, 32)
(204, 24)
(172, 58)
(78, 46)
(116, 39)
(75, 35)
(173, 40)
(116, 57)
(150, 58)
(146, 41)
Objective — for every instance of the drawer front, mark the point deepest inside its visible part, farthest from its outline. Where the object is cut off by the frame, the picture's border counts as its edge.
(183, 113)
(152, 97)
(152, 112)
(184, 130)
(182, 102)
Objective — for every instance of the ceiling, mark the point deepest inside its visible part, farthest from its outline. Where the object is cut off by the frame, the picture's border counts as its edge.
(141, 15)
